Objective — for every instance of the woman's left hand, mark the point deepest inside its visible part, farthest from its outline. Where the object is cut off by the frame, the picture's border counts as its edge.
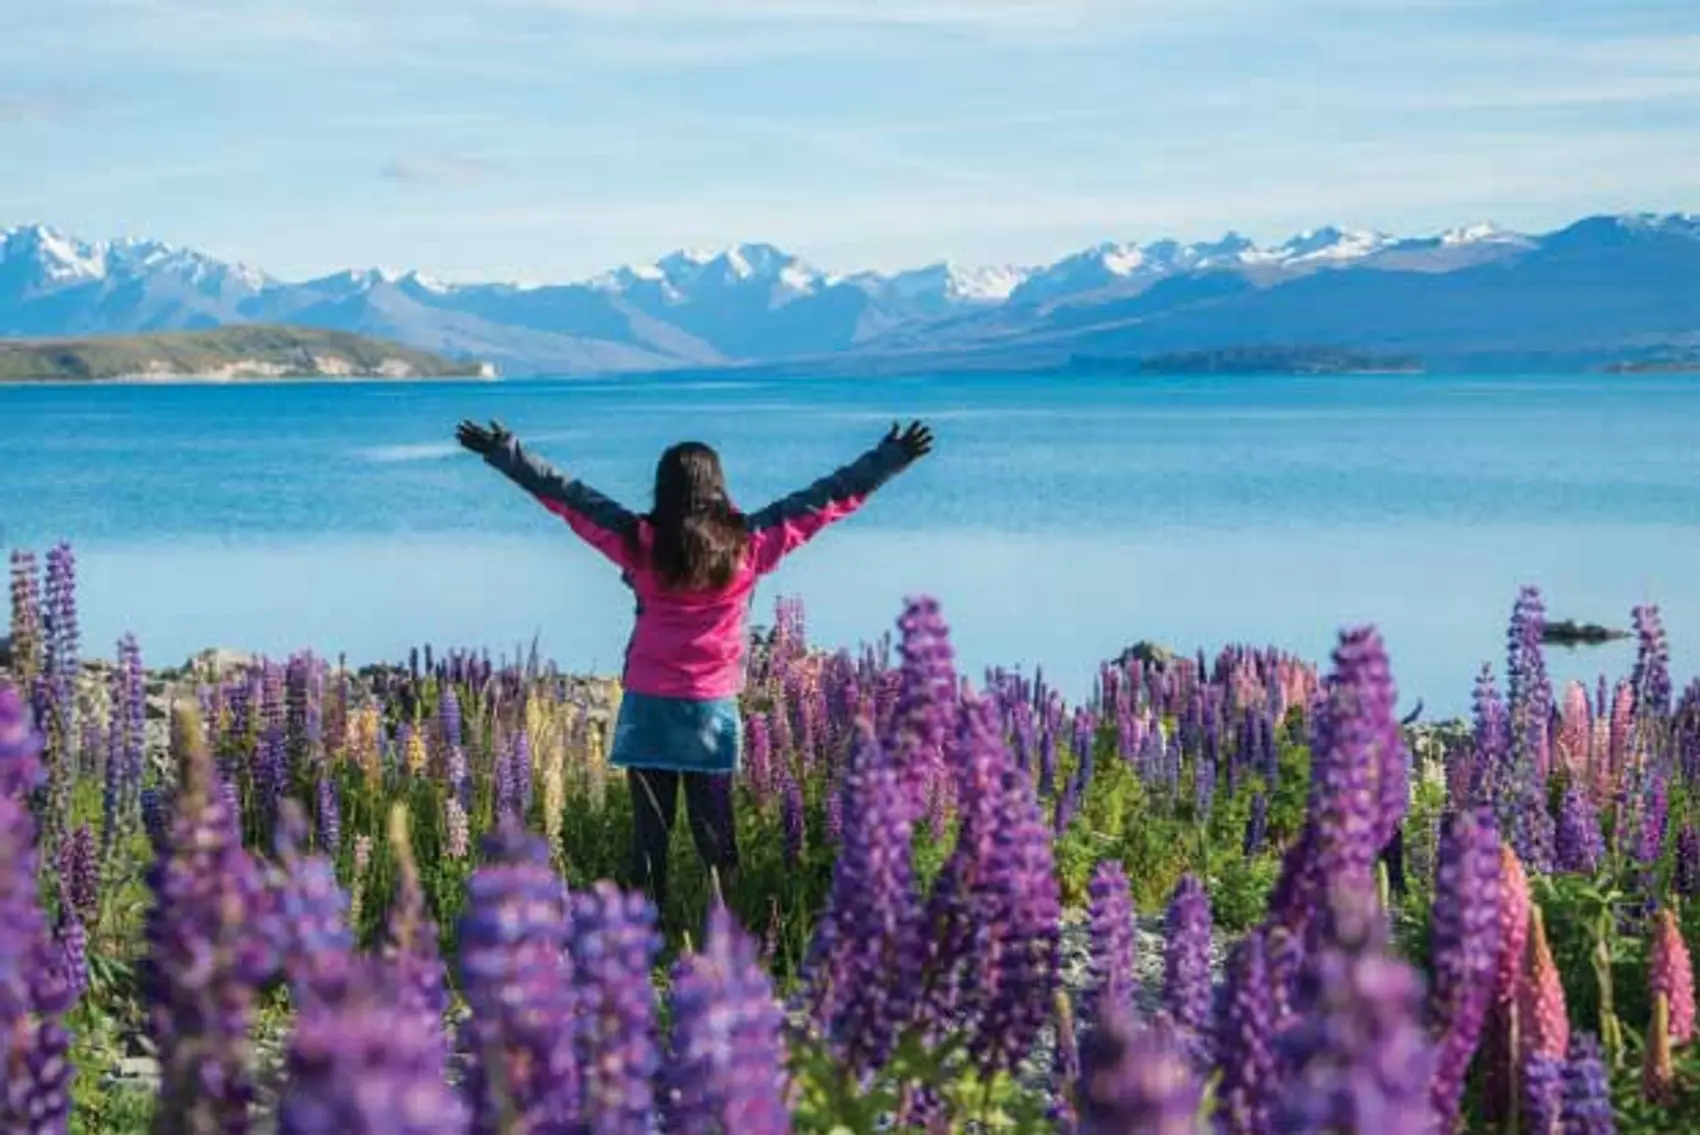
(481, 439)
(916, 440)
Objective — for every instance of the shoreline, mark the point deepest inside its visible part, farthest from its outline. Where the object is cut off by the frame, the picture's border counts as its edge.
(198, 380)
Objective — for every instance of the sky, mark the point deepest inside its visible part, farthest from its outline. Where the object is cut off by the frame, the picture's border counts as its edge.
(546, 140)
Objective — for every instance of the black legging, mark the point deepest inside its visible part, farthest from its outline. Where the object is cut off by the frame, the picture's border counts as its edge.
(655, 802)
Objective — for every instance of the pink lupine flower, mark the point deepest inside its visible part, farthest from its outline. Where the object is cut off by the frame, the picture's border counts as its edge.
(1671, 972)
(1514, 912)
(1542, 1017)
(1570, 746)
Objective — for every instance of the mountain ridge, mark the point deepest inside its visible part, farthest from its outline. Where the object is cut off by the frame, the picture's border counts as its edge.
(1604, 289)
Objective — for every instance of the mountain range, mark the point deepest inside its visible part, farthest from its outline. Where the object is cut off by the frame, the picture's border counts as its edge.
(1605, 290)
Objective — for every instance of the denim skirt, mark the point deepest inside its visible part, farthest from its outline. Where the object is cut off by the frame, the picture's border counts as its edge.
(678, 734)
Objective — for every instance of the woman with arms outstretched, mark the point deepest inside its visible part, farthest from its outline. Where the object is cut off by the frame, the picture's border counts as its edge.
(693, 562)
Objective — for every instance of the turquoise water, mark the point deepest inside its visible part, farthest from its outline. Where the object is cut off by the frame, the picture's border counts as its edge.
(1057, 522)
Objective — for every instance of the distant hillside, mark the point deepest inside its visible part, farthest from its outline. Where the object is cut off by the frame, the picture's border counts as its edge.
(226, 354)
(1253, 360)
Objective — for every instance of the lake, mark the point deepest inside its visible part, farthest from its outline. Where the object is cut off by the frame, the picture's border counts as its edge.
(1057, 522)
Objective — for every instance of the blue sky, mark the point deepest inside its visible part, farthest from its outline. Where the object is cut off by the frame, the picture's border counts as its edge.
(549, 139)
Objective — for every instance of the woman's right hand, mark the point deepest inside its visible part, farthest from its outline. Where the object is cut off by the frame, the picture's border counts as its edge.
(916, 440)
(481, 439)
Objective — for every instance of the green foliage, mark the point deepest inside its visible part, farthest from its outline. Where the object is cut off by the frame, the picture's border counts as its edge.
(832, 1102)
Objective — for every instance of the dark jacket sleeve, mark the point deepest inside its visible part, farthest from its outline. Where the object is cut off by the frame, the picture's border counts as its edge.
(790, 522)
(601, 522)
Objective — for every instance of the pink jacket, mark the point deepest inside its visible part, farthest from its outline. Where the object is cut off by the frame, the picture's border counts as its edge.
(691, 644)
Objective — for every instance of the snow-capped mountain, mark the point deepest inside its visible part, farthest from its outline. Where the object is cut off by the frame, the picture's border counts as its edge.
(757, 303)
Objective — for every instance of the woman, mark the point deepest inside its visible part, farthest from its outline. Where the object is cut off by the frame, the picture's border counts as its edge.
(693, 562)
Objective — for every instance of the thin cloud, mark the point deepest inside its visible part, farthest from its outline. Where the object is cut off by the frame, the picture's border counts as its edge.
(28, 109)
(436, 169)
(956, 14)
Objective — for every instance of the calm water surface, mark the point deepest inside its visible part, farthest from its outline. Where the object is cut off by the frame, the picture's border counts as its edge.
(1057, 522)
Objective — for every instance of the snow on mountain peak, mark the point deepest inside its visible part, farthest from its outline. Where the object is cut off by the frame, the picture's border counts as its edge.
(1686, 223)
(680, 272)
(1484, 232)
(945, 280)
(61, 259)
(136, 257)
(1332, 243)
(986, 283)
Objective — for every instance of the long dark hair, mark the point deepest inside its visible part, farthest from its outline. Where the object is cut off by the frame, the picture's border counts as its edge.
(699, 537)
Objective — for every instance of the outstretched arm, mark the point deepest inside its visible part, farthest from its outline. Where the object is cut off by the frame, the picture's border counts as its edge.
(599, 521)
(790, 522)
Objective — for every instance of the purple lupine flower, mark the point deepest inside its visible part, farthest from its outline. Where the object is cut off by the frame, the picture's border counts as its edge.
(758, 755)
(1528, 692)
(517, 978)
(155, 817)
(36, 987)
(271, 769)
(79, 871)
(523, 773)
(960, 902)
(1257, 825)
(1068, 800)
(1463, 948)
(1251, 1076)
(274, 695)
(1186, 965)
(1529, 712)
(297, 680)
(310, 909)
(614, 943)
(1651, 677)
(73, 942)
(791, 812)
(1578, 845)
(1019, 907)
(1047, 759)
(357, 1061)
(91, 743)
(329, 810)
(1687, 861)
(864, 960)
(506, 782)
(1110, 918)
(1652, 816)
(1490, 744)
(210, 947)
(1543, 1094)
(126, 752)
(57, 685)
(1587, 1108)
(725, 1069)
(779, 728)
(1204, 788)
(1132, 1082)
(1358, 1058)
(926, 700)
(37, 1094)
(1355, 745)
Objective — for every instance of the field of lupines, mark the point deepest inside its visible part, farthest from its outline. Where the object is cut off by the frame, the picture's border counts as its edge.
(373, 902)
